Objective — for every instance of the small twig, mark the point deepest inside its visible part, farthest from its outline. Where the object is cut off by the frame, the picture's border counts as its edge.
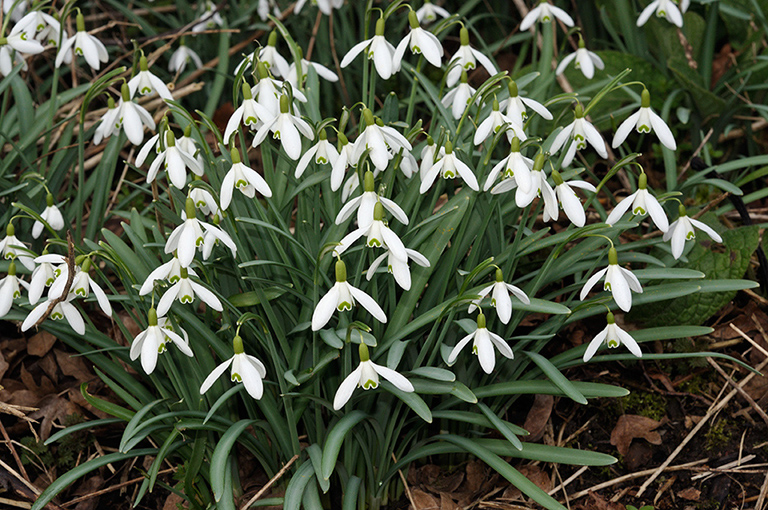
(20, 478)
(405, 483)
(13, 451)
(13, 502)
(269, 483)
(746, 337)
(568, 480)
(741, 391)
(632, 476)
(763, 493)
(68, 285)
(113, 488)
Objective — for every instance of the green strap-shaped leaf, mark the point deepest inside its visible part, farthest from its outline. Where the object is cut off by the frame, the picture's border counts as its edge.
(295, 490)
(350, 493)
(83, 469)
(219, 465)
(588, 389)
(223, 398)
(316, 456)
(514, 476)
(135, 422)
(499, 425)
(103, 405)
(334, 439)
(412, 400)
(557, 377)
(81, 426)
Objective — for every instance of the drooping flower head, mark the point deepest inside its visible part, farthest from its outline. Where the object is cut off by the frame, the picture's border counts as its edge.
(545, 13)
(645, 120)
(466, 58)
(246, 369)
(421, 42)
(642, 203)
(366, 376)
(377, 49)
(151, 342)
(580, 133)
(619, 282)
(500, 299)
(681, 230)
(84, 45)
(586, 61)
(483, 345)
(614, 336)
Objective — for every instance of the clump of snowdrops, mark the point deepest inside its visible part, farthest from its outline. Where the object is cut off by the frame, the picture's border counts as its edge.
(336, 275)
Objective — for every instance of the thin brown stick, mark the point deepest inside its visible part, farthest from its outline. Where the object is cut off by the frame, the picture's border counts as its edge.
(760, 505)
(405, 483)
(13, 452)
(14, 503)
(113, 488)
(741, 391)
(746, 337)
(567, 481)
(20, 478)
(269, 483)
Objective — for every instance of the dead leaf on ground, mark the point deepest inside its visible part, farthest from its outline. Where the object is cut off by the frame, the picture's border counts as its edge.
(597, 502)
(172, 501)
(476, 475)
(538, 476)
(538, 416)
(447, 503)
(3, 365)
(423, 501)
(690, 494)
(90, 486)
(53, 408)
(632, 426)
(73, 366)
(40, 344)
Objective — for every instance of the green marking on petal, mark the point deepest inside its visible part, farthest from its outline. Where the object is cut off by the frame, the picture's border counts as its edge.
(690, 235)
(638, 211)
(374, 243)
(57, 316)
(344, 306)
(161, 348)
(187, 299)
(370, 384)
(643, 129)
(236, 377)
(607, 286)
(613, 344)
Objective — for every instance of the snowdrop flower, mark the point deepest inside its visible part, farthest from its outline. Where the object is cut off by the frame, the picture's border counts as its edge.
(175, 161)
(683, 4)
(495, 122)
(586, 60)
(344, 161)
(267, 92)
(581, 133)
(500, 299)
(286, 127)
(342, 296)
(613, 336)
(429, 155)
(421, 42)
(43, 276)
(63, 310)
(366, 376)
(19, 37)
(365, 205)
(187, 237)
(181, 57)
(466, 58)
(46, 27)
(377, 138)
(568, 200)
(643, 120)
(325, 6)
(15, 8)
(515, 166)
(82, 284)
(132, 117)
(323, 153)
(246, 369)
(17, 41)
(515, 106)
(151, 342)
(482, 346)
(189, 145)
(449, 167)
(170, 271)
(323, 72)
(274, 62)
(539, 188)
(664, 9)
(185, 291)
(11, 248)
(619, 282)
(377, 49)
(9, 289)
(378, 235)
(397, 267)
(145, 82)
(408, 164)
(204, 201)
(245, 179)
(429, 12)
(51, 215)
(250, 113)
(460, 97)
(641, 202)
(109, 123)
(210, 19)
(545, 13)
(681, 230)
(85, 45)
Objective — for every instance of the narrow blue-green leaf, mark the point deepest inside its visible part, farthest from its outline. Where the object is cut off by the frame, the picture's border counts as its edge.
(295, 490)
(496, 463)
(499, 425)
(107, 407)
(588, 389)
(476, 419)
(219, 464)
(557, 377)
(83, 469)
(667, 273)
(335, 438)
(541, 306)
(223, 398)
(726, 285)
(438, 374)
(167, 447)
(81, 426)
(412, 400)
(350, 494)
(134, 423)
(316, 457)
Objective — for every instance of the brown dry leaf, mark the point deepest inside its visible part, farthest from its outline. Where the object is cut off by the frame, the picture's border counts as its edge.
(539, 477)
(447, 503)
(172, 501)
(423, 501)
(53, 408)
(3, 365)
(632, 426)
(40, 344)
(44, 388)
(50, 367)
(597, 502)
(446, 482)
(90, 486)
(538, 416)
(690, 494)
(476, 474)
(511, 493)
(73, 366)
